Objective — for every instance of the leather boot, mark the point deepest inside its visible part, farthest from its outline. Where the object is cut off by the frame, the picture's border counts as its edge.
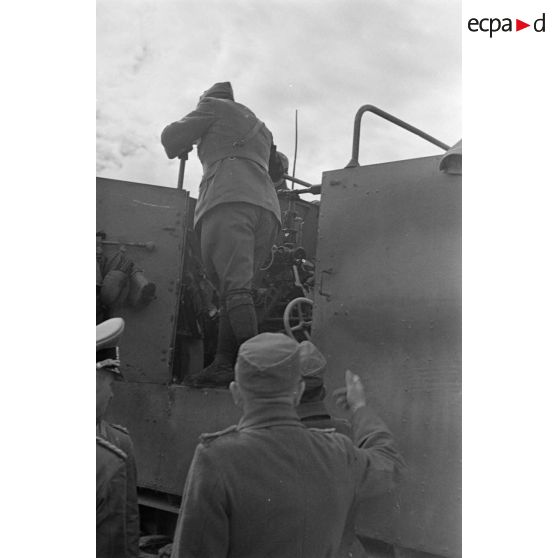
(242, 317)
(220, 372)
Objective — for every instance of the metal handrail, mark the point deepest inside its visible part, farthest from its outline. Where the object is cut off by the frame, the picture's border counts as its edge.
(309, 188)
(371, 108)
(180, 184)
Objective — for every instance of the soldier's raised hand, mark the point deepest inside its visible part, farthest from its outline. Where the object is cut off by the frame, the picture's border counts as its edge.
(352, 396)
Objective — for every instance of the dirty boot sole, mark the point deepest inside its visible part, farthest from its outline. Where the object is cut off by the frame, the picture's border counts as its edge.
(215, 375)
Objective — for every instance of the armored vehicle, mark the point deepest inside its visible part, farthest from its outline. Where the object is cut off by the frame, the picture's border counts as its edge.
(372, 273)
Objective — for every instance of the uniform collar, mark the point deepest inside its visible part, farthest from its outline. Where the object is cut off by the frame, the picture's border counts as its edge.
(269, 413)
(312, 409)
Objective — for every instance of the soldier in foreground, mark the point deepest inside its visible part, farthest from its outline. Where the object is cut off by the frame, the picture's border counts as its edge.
(271, 487)
(117, 505)
(237, 214)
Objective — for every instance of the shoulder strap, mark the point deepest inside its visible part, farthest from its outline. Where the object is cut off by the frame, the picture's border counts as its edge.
(120, 427)
(205, 438)
(106, 444)
(322, 430)
(255, 129)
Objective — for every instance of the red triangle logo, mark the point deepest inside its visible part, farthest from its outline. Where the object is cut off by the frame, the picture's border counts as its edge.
(519, 25)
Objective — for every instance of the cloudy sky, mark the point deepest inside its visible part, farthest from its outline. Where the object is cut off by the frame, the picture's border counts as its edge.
(324, 58)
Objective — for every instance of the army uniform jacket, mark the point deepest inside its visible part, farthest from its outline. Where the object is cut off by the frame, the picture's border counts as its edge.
(119, 437)
(111, 500)
(233, 170)
(271, 487)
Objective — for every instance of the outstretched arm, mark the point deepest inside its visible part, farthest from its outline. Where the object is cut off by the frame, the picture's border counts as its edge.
(179, 137)
(378, 462)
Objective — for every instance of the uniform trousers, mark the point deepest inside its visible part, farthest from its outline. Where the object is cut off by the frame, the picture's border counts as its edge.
(235, 240)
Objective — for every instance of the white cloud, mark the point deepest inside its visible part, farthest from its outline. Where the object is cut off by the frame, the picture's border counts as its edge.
(325, 59)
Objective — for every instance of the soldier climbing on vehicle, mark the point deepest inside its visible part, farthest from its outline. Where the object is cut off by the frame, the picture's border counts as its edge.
(237, 214)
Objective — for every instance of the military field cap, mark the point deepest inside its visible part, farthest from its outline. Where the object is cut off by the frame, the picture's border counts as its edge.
(312, 364)
(268, 364)
(108, 336)
(222, 90)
